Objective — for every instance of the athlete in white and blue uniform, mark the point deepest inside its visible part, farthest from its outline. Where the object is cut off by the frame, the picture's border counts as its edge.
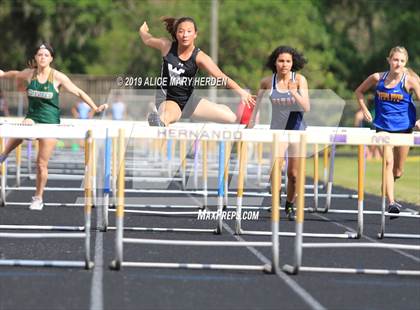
(285, 113)
(394, 112)
(288, 94)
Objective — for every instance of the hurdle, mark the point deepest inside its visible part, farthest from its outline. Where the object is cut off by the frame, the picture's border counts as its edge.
(116, 159)
(118, 262)
(204, 192)
(340, 133)
(238, 223)
(54, 131)
(387, 140)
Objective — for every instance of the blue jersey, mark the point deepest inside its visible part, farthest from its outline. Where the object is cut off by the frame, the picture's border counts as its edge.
(83, 109)
(285, 112)
(394, 107)
(118, 110)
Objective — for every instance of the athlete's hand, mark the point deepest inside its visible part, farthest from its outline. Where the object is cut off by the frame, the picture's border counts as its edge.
(1, 73)
(144, 28)
(248, 99)
(28, 122)
(418, 124)
(101, 108)
(292, 86)
(367, 115)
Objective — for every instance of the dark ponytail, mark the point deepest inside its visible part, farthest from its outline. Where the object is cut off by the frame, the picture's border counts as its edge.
(171, 24)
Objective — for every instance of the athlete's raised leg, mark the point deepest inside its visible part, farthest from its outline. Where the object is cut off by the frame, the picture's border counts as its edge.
(213, 112)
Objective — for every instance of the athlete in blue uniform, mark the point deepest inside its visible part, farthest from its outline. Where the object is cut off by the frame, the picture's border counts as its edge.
(288, 94)
(394, 112)
(82, 110)
(181, 61)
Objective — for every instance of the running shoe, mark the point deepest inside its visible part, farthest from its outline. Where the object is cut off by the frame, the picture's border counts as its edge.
(394, 208)
(36, 204)
(289, 209)
(154, 120)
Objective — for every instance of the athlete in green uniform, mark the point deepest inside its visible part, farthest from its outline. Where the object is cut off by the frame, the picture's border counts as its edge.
(43, 84)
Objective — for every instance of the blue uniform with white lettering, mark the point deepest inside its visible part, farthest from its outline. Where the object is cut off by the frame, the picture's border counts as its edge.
(285, 112)
(394, 107)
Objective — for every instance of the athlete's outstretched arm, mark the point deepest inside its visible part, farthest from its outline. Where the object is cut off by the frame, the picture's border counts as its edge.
(14, 74)
(63, 80)
(205, 62)
(360, 94)
(264, 85)
(161, 44)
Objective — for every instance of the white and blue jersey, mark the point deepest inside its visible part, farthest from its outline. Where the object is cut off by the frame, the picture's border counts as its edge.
(394, 107)
(285, 112)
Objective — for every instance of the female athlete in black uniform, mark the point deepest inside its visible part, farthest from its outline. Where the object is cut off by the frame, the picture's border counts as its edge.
(181, 60)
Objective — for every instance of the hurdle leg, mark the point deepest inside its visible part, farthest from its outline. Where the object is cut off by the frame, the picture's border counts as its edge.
(3, 175)
(183, 159)
(220, 187)
(284, 171)
(330, 181)
(114, 170)
(94, 194)
(107, 185)
(300, 209)
(169, 155)
(241, 178)
(196, 148)
(204, 162)
(119, 214)
(259, 160)
(383, 195)
(226, 175)
(326, 154)
(275, 203)
(29, 157)
(316, 177)
(360, 189)
(88, 196)
(18, 163)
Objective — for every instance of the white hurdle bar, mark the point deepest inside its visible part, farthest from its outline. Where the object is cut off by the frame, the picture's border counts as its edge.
(53, 131)
(118, 263)
(386, 139)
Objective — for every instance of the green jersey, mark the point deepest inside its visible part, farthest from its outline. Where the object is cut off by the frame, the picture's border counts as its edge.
(43, 101)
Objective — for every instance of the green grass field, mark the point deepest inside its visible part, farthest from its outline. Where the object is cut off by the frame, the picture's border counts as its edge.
(345, 174)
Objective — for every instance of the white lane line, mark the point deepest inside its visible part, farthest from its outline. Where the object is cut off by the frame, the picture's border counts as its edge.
(415, 258)
(96, 291)
(300, 291)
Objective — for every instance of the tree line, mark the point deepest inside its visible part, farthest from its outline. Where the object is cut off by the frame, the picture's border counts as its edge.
(343, 40)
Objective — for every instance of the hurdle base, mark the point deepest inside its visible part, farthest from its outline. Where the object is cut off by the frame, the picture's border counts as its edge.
(165, 229)
(115, 265)
(346, 235)
(264, 268)
(400, 236)
(361, 271)
(46, 263)
(289, 269)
